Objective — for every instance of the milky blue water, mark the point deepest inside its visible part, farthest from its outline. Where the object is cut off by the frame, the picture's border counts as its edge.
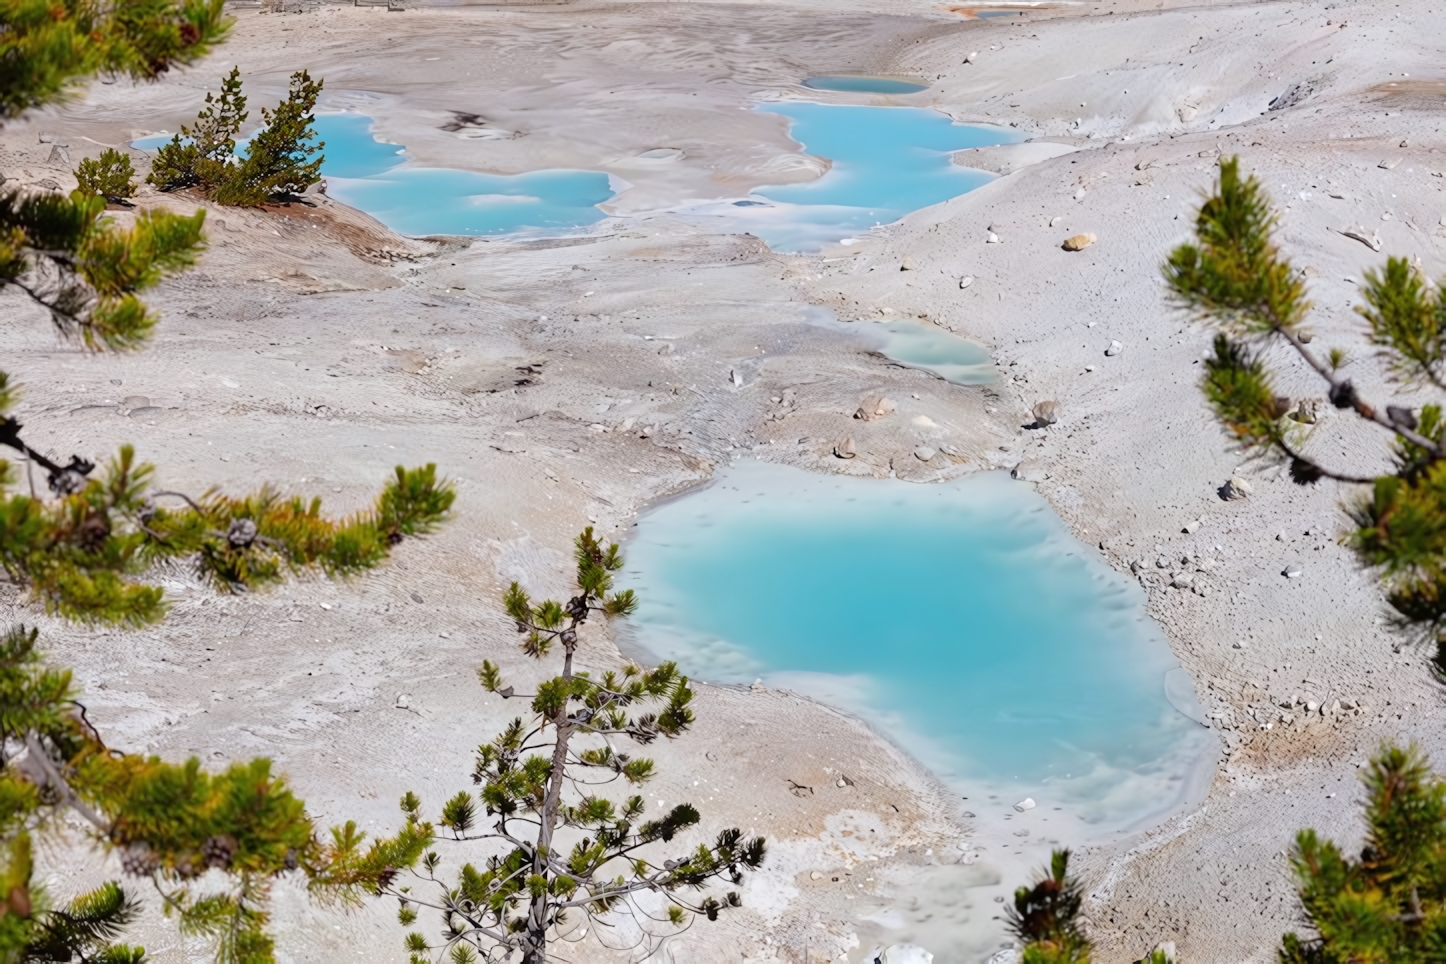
(933, 349)
(960, 618)
(886, 162)
(864, 85)
(372, 176)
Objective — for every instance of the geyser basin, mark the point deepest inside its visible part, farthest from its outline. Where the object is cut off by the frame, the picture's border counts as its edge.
(864, 85)
(960, 618)
(887, 162)
(369, 175)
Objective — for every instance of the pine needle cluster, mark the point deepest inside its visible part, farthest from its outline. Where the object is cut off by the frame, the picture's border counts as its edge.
(558, 854)
(110, 176)
(84, 550)
(1389, 904)
(85, 270)
(47, 46)
(1235, 278)
(280, 160)
(1044, 917)
(173, 825)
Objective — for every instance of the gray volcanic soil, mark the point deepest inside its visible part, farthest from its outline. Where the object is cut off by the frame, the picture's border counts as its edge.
(315, 349)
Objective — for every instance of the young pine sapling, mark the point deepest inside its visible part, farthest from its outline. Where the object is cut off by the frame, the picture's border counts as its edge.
(557, 859)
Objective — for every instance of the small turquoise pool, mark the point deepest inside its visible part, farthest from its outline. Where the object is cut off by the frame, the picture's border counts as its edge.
(886, 162)
(960, 618)
(864, 85)
(372, 175)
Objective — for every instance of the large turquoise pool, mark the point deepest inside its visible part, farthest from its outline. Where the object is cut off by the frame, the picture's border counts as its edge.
(371, 175)
(960, 618)
(885, 163)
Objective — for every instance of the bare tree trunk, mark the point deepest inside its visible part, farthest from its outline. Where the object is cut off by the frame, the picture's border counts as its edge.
(535, 944)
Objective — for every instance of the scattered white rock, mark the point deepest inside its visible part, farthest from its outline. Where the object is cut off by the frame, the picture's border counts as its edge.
(904, 954)
(737, 379)
(846, 449)
(1026, 804)
(907, 264)
(1114, 349)
(815, 875)
(1235, 490)
(992, 239)
(1182, 580)
(1046, 413)
(1192, 527)
(966, 281)
(1372, 240)
(875, 407)
(59, 156)
(404, 701)
(1389, 163)
(1079, 194)
(1054, 221)
(1029, 471)
(1292, 571)
(971, 56)
(923, 453)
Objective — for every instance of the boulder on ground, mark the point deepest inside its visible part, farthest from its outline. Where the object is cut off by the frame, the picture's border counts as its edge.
(903, 954)
(1046, 413)
(875, 406)
(1235, 489)
(1079, 242)
(1029, 471)
(923, 453)
(1026, 804)
(846, 449)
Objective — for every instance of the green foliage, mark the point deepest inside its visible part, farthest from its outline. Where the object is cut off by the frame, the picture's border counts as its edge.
(176, 825)
(111, 176)
(210, 843)
(82, 551)
(1390, 904)
(281, 159)
(46, 47)
(555, 846)
(84, 269)
(204, 155)
(1044, 917)
(1236, 279)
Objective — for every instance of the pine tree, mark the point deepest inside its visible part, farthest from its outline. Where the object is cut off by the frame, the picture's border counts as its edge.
(111, 176)
(1045, 917)
(203, 155)
(1389, 905)
(555, 857)
(281, 161)
(1236, 279)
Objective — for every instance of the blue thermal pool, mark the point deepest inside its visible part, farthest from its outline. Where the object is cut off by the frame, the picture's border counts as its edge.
(961, 618)
(864, 85)
(372, 176)
(933, 349)
(886, 162)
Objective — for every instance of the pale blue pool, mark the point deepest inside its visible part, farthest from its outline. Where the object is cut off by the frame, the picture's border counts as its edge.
(886, 162)
(864, 85)
(960, 618)
(371, 175)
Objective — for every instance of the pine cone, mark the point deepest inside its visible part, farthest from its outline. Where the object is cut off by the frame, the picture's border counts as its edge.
(219, 851)
(242, 533)
(139, 861)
